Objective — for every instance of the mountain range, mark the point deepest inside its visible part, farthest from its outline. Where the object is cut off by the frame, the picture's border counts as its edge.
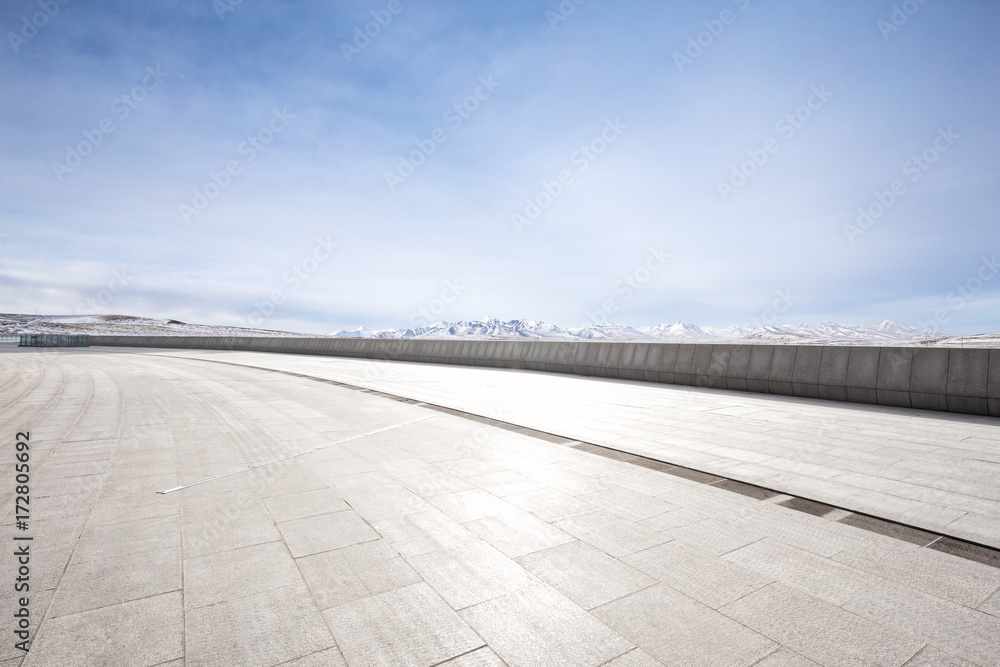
(825, 333)
(493, 328)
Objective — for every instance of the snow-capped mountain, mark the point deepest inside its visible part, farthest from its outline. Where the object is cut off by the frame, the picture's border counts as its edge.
(679, 329)
(826, 332)
(606, 331)
(489, 327)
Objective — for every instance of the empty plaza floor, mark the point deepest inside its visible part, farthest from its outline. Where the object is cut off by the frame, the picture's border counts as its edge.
(232, 508)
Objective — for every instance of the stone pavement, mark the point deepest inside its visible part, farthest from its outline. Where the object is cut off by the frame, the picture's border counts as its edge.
(937, 471)
(390, 532)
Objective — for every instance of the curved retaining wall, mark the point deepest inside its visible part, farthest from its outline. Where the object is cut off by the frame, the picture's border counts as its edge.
(949, 379)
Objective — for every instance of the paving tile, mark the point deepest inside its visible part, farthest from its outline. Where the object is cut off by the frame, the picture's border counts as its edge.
(518, 533)
(119, 509)
(684, 516)
(376, 496)
(63, 532)
(673, 628)
(634, 658)
(538, 626)
(961, 631)
(935, 657)
(905, 510)
(407, 626)
(714, 536)
(331, 657)
(470, 505)
(935, 572)
(699, 575)
(331, 464)
(199, 507)
(992, 605)
(68, 504)
(483, 657)
(423, 532)
(325, 532)
(626, 503)
(103, 542)
(238, 526)
(641, 480)
(610, 533)
(406, 466)
(820, 631)
(355, 572)
(568, 481)
(505, 483)
(820, 577)
(713, 502)
(784, 657)
(471, 573)
(237, 573)
(263, 629)
(98, 583)
(149, 631)
(550, 504)
(304, 503)
(824, 538)
(584, 574)
(434, 483)
(468, 467)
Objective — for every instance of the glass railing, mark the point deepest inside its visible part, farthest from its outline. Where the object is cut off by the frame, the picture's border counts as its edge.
(54, 340)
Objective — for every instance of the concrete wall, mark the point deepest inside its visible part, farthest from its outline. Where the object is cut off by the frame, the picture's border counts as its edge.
(949, 379)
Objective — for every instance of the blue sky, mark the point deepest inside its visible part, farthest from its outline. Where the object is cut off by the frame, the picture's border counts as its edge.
(640, 162)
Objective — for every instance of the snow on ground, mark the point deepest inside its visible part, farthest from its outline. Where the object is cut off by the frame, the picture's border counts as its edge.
(120, 325)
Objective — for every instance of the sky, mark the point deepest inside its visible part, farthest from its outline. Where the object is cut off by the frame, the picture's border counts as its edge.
(316, 166)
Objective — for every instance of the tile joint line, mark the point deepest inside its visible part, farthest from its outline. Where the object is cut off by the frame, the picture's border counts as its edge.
(295, 454)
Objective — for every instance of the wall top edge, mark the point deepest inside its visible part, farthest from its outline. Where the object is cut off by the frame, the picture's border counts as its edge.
(543, 341)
